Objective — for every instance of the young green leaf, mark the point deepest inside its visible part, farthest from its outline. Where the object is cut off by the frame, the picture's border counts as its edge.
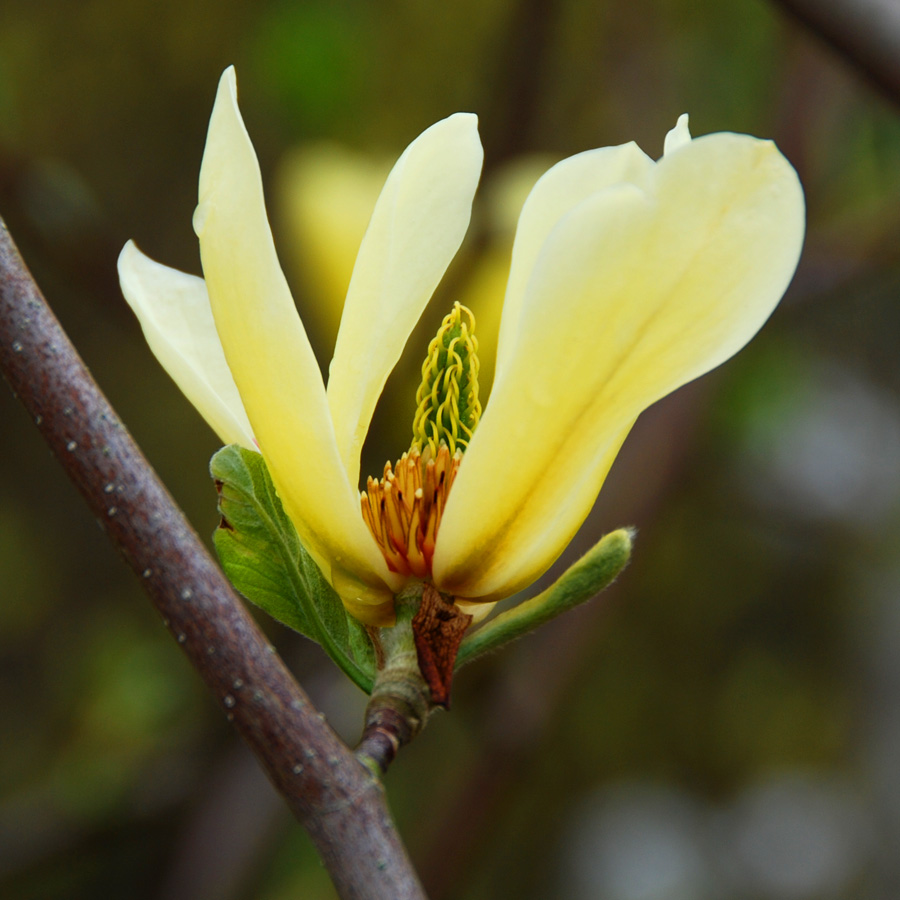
(582, 581)
(262, 556)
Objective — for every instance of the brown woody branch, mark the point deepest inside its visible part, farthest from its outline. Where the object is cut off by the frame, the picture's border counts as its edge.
(336, 798)
(865, 32)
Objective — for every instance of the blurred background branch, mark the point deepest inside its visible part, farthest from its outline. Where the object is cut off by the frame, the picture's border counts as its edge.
(864, 32)
(335, 798)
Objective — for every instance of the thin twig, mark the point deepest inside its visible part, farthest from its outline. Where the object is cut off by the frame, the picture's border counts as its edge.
(335, 798)
(865, 32)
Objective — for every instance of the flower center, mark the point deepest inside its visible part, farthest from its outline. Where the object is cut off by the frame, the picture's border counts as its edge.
(403, 509)
(447, 405)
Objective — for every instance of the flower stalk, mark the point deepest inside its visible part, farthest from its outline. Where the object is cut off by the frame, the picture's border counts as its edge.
(416, 661)
(400, 703)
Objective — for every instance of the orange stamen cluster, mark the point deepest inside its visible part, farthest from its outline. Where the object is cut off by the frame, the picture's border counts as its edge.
(404, 508)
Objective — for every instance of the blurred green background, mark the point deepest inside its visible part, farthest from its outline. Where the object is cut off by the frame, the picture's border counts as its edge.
(724, 723)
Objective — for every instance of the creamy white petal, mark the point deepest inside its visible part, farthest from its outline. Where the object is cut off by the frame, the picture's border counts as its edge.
(418, 224)
(173, 309)
(537, 443)
(273, 365)
(483, 289)
(537, 529)
(556, 193)
(634, 293)
(678, 137)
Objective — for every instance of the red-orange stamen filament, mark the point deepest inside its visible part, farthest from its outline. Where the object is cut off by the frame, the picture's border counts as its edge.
(403, 509)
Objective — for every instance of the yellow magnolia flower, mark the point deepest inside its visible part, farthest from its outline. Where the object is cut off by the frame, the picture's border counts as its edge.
(628, 278)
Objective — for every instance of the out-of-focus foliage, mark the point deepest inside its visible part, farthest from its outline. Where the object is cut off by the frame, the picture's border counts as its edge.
(726, 724)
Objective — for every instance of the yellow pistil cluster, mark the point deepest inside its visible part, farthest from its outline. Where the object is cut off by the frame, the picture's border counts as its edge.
(403, 510)
(447, 405)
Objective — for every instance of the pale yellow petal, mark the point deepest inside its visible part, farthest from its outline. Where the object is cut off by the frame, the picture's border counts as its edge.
(679, 136)
(173, 309)
(560, 503)
(555, 194)
(273, 365)
(485, 285)
(418, 224)
(478, 611)
(634, 293)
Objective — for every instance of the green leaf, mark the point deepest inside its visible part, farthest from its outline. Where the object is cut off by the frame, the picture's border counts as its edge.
(263, 558)
(362, 650)
(596, 570)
